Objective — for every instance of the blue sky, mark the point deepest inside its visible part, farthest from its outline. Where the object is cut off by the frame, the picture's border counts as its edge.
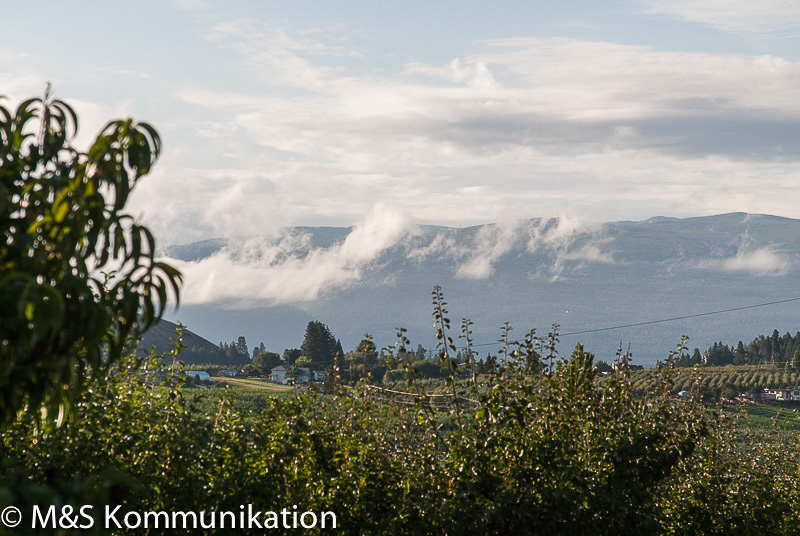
(336, 113)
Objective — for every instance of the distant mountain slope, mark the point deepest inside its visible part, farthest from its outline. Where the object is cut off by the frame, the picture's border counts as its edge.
(197, 349)
(533, 273)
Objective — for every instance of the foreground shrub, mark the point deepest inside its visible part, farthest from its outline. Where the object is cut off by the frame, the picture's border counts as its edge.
(536, 447)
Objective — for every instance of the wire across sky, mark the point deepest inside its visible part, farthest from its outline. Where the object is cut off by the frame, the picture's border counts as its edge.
(664, 320)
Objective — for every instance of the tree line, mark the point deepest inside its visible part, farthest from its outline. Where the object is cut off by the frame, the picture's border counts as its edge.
(774, 349)
(318, 350)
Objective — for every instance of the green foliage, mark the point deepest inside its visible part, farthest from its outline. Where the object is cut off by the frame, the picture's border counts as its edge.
(774, 349)
(235, 352)
(740, 481)
(265, 362)
(290, 355)
(247, 402)
(794, 364)
(78, 276)
(544, 452)
(538, 453)
(552, 446)
(319, 344)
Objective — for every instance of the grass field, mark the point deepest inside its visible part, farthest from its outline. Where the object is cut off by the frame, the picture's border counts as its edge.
(245, 395)
(267, 386)
(781, 417)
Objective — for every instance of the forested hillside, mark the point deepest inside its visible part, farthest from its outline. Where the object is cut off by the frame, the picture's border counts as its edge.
(197, 350)
(531, 273)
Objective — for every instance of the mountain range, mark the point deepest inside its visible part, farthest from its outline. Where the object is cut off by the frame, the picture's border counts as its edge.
(638, 283)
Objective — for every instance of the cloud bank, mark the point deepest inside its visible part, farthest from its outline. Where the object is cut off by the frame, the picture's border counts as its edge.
(288, 269)
(527, 126)
(562, 240)
(291, 268)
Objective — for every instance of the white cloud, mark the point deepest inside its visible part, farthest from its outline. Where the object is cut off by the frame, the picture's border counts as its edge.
(288, 269)
(443, 244)
(127, 73)
(278, 58)
(561, 240)
(559, 233)
(587, 80)
(475, 75)
(93, 117)
(569, 238)
(589, 253)
(766, 18)
(16, 88)
(764, 261)
(491, 242)
(528, 126)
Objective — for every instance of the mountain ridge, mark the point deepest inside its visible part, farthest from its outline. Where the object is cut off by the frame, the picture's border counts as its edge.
(533, 273)
(162, 337)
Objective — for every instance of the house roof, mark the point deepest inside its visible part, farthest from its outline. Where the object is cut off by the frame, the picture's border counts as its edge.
(299, 371)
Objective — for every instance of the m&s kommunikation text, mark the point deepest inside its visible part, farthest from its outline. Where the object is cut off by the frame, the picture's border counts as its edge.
(246, 517)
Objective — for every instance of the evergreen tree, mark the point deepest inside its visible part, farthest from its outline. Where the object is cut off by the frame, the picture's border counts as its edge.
(795, 362)
(290, 355)
(241, 346)
(740, 356)
(319, 343)
(776, 346)
(266, 361)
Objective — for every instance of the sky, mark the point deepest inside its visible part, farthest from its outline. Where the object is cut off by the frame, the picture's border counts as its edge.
(387, 115)
(456, 113)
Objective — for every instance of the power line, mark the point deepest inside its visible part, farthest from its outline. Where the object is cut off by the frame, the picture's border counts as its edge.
(721, 311)
(663, 320)
(622, 326)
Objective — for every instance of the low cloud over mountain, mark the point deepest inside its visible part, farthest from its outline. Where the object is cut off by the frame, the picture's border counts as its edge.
(378, 275)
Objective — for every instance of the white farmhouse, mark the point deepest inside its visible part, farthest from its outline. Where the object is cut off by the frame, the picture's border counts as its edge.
(286, 375)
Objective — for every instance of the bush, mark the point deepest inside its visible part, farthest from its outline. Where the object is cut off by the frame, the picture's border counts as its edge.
(526, 453)
(78, 274)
